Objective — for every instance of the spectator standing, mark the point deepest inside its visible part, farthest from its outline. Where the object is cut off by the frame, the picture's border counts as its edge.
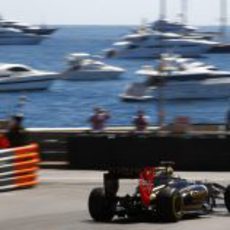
(141, 121)
(228, 120)
(16, 134)
(98, 119)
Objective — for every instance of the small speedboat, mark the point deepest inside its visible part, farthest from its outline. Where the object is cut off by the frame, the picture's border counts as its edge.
(84, 67)
(18, 77)
(137, 92)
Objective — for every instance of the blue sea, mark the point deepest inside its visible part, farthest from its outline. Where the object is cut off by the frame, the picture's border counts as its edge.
(69, 104)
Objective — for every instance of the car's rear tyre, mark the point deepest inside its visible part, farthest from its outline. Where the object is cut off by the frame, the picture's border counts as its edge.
(101, 207)
(169, 205)
(227, 197)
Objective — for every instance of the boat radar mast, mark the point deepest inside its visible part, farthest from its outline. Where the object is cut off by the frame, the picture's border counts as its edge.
(184, 11)
(163, 9)
(183, 14)
(223, 17)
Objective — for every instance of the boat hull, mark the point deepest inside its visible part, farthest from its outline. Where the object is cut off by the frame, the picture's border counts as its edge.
(142, 52)
(210, 88)
(40, 31)
(26, 84)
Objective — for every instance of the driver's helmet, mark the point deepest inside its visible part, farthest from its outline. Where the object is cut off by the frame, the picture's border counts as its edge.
(164, 171)
(169, 171)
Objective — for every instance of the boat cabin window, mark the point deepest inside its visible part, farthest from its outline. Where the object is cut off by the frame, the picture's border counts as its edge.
(133, 47)
(213, 68)
(18, 69)
(4, 76)
(144, 38)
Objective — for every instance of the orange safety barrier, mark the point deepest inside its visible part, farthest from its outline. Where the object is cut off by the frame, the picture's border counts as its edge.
(25, 156)
(18, 186)
(18, 167)
(24, 179)
(27, 171)
(26, 149)
(25, 164)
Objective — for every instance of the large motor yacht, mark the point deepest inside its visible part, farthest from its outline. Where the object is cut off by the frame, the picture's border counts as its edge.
(85, 67)
(18, 77)
(179, 78)
(146, 43)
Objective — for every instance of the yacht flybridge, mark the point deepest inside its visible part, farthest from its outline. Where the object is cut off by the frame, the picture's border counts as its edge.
(146, 43)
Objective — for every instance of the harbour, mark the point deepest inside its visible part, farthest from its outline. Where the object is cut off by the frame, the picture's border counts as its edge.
(74, 101)
(113, 123)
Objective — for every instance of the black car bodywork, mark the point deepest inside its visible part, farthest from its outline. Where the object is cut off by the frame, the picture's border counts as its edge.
(159, 194)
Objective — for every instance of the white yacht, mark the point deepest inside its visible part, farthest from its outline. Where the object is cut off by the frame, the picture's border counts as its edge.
(28, 28)
(147, 43)
(137, 91)
(83, 66)
(179, 78)
(18, 77)
(10, 36)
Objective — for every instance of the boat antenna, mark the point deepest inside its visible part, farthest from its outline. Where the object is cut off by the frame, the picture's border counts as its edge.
(223, 17)
(184, 11)
(20, 105)
(163, 9)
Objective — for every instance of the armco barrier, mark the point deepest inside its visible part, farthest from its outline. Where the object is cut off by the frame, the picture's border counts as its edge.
(18, 167)
(132, 152)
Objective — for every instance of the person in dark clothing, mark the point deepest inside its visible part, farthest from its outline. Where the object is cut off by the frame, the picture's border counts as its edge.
(228, 120)
(141, 121)
(98, 119)
(16, 134)
(4, 142)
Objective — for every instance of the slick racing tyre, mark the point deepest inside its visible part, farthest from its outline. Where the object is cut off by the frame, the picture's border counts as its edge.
(101, 207)
(227, 197)
(169, 205)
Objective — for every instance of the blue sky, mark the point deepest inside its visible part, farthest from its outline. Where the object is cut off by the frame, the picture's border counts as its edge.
(118, 12)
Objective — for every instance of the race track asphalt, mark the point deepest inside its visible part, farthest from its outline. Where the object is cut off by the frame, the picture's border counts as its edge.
(59, 202)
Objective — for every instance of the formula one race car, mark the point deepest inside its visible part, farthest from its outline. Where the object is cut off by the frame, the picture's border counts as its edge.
(159, 194)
